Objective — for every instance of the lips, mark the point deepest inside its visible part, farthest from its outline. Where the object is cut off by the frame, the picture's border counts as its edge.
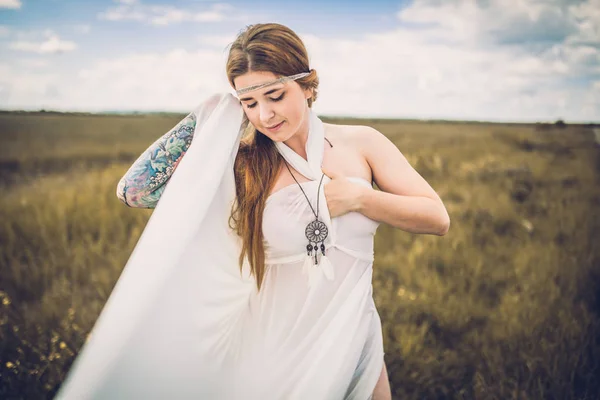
(274, 126)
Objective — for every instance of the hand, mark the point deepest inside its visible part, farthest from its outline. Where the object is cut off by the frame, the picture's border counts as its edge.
(342, 195)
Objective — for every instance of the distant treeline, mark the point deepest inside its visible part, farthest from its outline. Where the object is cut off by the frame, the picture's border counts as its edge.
(332, 119)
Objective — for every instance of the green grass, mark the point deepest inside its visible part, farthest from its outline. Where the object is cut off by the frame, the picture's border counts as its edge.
(505, 306)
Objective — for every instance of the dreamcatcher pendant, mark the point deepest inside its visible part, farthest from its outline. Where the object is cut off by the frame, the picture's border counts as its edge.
(316, 232)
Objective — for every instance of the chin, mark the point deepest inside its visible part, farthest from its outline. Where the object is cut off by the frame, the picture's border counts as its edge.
(277, 138)
(283, 138)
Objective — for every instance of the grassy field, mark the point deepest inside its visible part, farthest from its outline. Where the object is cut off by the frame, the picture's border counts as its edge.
(505, 306)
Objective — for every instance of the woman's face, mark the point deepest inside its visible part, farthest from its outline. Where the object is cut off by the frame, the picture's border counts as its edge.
(281, 103)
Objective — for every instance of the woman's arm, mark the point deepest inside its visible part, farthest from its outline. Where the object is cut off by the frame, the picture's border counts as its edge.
(144, 182)
(406, 200)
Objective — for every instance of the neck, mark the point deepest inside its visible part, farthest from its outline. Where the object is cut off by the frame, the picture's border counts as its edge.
(298, 141)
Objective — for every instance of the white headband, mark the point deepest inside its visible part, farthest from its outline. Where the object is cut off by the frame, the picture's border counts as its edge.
(279, 80)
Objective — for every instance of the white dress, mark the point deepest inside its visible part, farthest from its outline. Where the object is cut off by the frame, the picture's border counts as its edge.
(183, 323)
(319, 343)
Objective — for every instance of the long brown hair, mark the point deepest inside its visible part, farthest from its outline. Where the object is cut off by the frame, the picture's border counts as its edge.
(277, 49)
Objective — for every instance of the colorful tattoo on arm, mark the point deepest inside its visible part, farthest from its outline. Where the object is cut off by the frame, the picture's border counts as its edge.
(145, 181)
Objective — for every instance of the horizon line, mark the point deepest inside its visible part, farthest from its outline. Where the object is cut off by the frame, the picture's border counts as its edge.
(330, 116)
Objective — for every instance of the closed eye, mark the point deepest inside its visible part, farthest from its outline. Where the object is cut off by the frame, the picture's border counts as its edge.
(272, 99)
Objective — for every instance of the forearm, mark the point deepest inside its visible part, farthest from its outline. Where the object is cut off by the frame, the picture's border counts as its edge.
(414, 214)
(144, 182)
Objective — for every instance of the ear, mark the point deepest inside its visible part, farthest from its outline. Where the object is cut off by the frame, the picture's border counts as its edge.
(308, 93)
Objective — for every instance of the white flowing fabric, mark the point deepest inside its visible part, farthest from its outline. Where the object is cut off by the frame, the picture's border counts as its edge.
(183, 323)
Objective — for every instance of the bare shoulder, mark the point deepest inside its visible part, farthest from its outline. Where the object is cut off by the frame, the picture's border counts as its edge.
(350, 156)
(346, 135)
(362, 138)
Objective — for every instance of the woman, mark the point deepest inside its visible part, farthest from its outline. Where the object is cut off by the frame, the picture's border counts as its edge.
(295, 318)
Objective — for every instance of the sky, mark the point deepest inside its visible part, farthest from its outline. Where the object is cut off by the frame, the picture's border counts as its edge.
(486, 60)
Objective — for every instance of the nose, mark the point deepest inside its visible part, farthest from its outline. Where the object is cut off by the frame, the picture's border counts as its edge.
(266, 114)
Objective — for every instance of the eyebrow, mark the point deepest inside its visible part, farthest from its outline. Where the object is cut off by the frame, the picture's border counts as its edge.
(265, 93)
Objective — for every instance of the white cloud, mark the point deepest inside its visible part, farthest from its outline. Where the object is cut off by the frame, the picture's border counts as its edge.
(596, 92)
(209, 16)
(34, 63)
(220, 41)
(121, 13)
(400, 74)
(166, 15)
(456, 61)
(495, 21)
(4, 31)
(52, 44)
(19, 87)
(82, 28)
(175, 81)
(588, 17)
(10, 4)
(467, 59)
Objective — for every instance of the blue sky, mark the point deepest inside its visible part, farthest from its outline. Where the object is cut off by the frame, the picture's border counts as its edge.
(495, 60)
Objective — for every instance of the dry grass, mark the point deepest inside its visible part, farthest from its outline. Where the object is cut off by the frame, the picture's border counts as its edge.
(505, 306)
